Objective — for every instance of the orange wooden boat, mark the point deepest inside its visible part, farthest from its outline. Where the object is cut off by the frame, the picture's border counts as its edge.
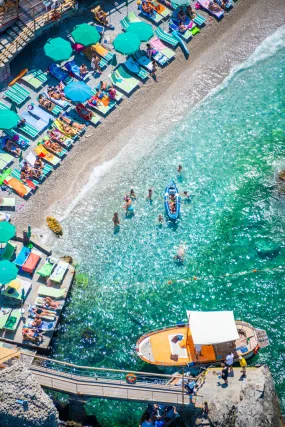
(21, 74)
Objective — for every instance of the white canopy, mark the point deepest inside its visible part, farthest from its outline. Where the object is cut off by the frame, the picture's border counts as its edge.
(212, 327)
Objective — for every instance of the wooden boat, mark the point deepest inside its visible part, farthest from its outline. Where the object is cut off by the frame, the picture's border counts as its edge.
(206, 339)
(172, 198)
(21, 74)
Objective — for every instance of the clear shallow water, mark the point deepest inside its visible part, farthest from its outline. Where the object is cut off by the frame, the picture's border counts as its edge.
(231, 148)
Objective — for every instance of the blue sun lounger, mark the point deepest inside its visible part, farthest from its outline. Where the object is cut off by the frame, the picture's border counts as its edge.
(23, 142)
(59, 74)
(75, 70)
(22, 256)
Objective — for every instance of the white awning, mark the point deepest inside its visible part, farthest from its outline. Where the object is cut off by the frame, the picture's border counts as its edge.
(212, 327)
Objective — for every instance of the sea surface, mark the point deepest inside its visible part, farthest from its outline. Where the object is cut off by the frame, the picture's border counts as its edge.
(231, 148)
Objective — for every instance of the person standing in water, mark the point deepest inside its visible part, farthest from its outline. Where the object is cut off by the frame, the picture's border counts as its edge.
(160, 219)
(133, 195)
(116, 220)
(179, 170)
(149, 196)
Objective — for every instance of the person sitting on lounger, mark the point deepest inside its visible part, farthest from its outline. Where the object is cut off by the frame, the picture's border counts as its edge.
(70, 122)
(101, 16)
(37, 321)
(11, 147)
(50, 303)
(190, 12)
(150, 51)
(32, 334)
(53, 146)
(104, 86)
(83, 70)
(38, 164)
(21, 123)
(45, 102)
(148, 8)
(181, 15)
(27, 172)
(112, 93)
(214, 7)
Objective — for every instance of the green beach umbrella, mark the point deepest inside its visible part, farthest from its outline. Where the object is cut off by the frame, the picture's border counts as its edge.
(141, 29)
(85, 34)
(7, 231)
(127, 43)
(8, 272)
(58, 49)
(8, 119)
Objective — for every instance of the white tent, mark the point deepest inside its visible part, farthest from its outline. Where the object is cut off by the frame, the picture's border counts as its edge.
(212, 327)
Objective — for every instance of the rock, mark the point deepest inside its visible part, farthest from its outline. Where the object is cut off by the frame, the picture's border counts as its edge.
(266, 248)
(258, 406)
(39, 411)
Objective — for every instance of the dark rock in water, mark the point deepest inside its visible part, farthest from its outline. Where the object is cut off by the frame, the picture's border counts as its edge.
(266, 248)
(281, 175)
(37, 409)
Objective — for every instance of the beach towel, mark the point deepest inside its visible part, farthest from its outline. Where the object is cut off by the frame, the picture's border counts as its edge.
(17, 289)
(17, 186)
(57, 72)
(47, 291)
(157, 44)
(59, 272)
(205, 5)
(40, 124)
(46, 269)
(4, 315)
(39, 113)
(13, 320)
(31, 263)
(73, 69)
(175, 347)
(22, 256)
(45, 326)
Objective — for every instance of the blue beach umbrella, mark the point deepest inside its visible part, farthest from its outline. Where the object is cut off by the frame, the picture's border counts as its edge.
(78, 91)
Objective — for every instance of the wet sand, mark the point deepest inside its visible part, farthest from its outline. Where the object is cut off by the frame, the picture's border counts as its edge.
(157, 105)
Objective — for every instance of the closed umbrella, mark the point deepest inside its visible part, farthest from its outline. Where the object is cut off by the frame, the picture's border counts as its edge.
(58, 49)
(78, 91)
(8, 272)
(7, 231)
(127, 43)
(85, 34)
(141, 29)
(8, 119)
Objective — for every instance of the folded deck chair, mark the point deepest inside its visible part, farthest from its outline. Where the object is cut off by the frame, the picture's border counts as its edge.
(22, 256)
(8, 251)
(166, 37)
(46, 269)
(4, 315)
(154, 17)
(17, 186)
(13, 320)
(7, 202)
(3, 165)
(45, 326)
(31, 263)
(51, 292)
(46, 155)
(17, 289)
(41, 303)
(205, 5)
(59, 272)
(74, 69)
(123, 80)
(20, 140)
(58, 73)
(157, 44)
(134, 68)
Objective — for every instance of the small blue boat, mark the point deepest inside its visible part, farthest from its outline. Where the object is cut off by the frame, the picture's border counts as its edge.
(172, 201)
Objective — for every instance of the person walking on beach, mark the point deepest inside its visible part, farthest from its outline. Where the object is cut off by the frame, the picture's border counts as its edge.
(225, 373)
(116, 220)
(95, 64)
(243, 365)
(154, 70)
(230, 361)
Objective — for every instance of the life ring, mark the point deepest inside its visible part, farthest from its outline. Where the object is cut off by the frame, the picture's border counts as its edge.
(21, 74)
(256, 349)
(131, 378)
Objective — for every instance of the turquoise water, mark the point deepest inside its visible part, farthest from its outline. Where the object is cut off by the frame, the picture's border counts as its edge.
(231, 148)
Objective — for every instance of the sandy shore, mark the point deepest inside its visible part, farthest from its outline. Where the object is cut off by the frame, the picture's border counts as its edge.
(155, 106)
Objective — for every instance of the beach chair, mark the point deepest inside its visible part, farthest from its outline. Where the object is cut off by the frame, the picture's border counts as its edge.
(123, 80)
(7, 202)
(157, 44)
(59, 272)
(205, 5)
(54, 108)
(95, 119)
(37, 125)
(143, 59)
(50, 316)
(31, 183)
(166, 37)
(4, 315)
(41, 303)
(88, 52)
(46, 269)
(20, 140)
(57, 123)
(3, 165)
(63, 140)
(35, 78)
(131, 18)
(45, 326)
(47, 291)
(61, 154)
(104, 53)
(101, 108)
(48, 157)
(199, 20)
(74, 69)
(40, 114)
(9, 251)
(134, 68)
(174, 26)
(17, 289)
(31, 263)
(59, 74)
(21, 189)
(17, 94)
(6, 157)
(47, 169)
(96, 12)
(13, 320)
(22, 256)
(63, 104)
(155, 17)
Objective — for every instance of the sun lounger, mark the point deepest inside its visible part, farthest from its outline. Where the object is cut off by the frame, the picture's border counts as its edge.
(157, 44)
(199, 20)
(134, 68)
(59, 74)
(131, 18)
(123, 80)
(8, 251)
(95, 119)
(205, 5)
(17, 289)
(35, 78)
(154, 17)
(40, 114)
(61, 103)
(186, 35)
(47, 169)
(54, 108)
(22, 256)
(3, 165)
(31, 183)
(104, 53)
(166, 37)
(61, 154)
(31, 262)
(48, 157)
(41, 303)
(13, 320)
(4, 315)
(48, 291)
(6, 157)
(17, 94)
(57, 123)
(89, 51)
(38, 124)
(59, 272)
(22, 142)
(74, 69)
(101, 108)
(7, 202)
(46, 269)
(45, 326)
(16, 185)
(50, 316)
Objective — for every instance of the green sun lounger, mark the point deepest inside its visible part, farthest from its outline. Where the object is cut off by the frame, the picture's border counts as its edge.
(31, 80)
(132, 17)
(46, 269)
(7, 202)
(13, 320)
(12, 132)
(6, 157)
(8, 251)
(199, 20)
(17, 94)
(166, 37)
(4, 315)
(59, 272)
(47, 291)
(40, 75)
(123, 80)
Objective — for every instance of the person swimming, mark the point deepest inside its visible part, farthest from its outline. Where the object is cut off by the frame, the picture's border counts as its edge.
(179, 170)
(160, 219)
(180, 255)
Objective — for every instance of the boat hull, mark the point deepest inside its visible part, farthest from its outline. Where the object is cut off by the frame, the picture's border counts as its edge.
(172, 189)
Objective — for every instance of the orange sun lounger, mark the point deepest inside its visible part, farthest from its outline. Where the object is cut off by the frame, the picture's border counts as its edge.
(17, 186)
(31, 263)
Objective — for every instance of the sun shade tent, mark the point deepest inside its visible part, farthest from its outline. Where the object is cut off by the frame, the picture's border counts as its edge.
(212, 327)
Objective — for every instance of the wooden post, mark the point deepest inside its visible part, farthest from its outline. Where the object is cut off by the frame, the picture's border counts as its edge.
(34, 19)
